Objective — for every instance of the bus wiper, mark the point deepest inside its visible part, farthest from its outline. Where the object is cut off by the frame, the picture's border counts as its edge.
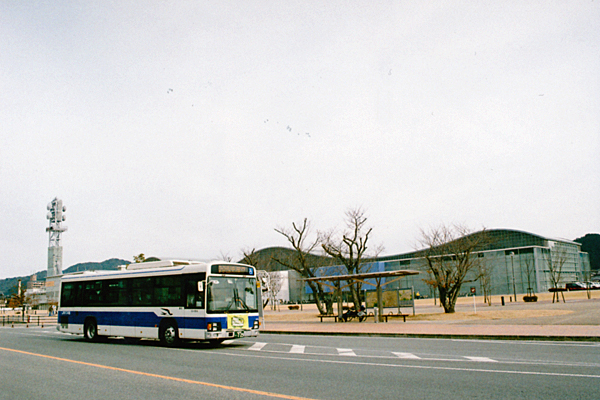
(243, 303)
(236, 299)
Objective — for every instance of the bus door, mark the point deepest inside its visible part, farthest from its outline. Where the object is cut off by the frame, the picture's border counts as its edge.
(195, 295)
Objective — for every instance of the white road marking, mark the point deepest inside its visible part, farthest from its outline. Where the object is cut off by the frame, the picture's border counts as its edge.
(257, 346)
(346, 352)
(480, 359)
(406, 355)
(297, 349)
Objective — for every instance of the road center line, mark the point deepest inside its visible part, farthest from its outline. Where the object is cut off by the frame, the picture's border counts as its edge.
(171, 378)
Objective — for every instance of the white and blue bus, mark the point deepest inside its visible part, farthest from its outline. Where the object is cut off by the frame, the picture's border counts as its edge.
(165, 300)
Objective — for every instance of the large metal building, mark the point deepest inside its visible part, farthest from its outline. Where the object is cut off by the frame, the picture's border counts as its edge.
(516, 260)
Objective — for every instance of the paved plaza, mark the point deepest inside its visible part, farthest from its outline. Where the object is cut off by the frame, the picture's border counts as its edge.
(578, 318)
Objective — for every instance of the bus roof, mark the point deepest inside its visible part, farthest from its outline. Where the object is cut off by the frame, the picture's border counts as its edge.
(149, 268)
(159, 264)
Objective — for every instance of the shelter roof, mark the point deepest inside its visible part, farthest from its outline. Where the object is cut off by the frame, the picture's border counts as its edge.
(366, 275)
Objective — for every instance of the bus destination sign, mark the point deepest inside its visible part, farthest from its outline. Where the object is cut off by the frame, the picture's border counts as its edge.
(232, 269)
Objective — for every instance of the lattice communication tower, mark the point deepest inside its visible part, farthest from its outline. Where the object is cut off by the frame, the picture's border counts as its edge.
(56, 216)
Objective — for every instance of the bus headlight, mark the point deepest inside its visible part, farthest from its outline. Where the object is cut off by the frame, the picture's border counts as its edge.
(213, 326)
(256, 324)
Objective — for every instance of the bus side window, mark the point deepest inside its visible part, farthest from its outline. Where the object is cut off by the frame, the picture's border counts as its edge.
(67, 295)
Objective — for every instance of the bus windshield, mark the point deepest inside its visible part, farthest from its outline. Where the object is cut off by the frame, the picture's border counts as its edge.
(227, 294)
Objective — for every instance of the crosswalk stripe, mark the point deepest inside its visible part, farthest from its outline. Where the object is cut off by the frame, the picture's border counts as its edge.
(257, 346)
(346, 352)
(300, 349)
(406, 355)
(480, 359)
(297, 349)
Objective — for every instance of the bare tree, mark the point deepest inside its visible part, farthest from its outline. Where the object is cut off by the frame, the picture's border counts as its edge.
(450, 259)
(485, 279)
(300, 260)
(351, 249)
(225, 257)
(275, 284)
(587, 277)
(555, 260)
(530, 273)
(252, 258)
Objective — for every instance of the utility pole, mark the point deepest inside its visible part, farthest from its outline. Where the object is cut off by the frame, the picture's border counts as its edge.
(512, 253)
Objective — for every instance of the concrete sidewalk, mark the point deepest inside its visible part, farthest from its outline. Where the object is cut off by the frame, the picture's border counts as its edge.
(576, 319)
(434, 330)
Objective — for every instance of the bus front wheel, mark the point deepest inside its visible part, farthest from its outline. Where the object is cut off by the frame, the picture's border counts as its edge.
(169, 334)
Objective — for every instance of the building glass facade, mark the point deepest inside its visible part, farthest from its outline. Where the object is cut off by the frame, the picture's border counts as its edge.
(516, 261)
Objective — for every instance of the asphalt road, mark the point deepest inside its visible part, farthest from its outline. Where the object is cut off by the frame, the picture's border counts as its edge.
(43, 363)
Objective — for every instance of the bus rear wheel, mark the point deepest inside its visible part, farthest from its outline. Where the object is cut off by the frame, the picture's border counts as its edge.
(90, 330)
(169, 334)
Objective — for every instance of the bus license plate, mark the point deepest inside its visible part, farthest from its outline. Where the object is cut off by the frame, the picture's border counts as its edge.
(238, 334)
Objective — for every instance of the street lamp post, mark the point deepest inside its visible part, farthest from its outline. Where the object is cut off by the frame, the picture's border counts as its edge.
(512, 264)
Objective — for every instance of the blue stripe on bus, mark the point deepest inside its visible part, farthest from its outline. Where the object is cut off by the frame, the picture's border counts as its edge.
(145, 319)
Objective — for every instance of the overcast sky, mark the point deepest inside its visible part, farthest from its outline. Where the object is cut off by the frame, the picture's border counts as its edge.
(192, 129)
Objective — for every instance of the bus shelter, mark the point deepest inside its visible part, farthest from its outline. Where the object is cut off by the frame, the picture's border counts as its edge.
(335, 282)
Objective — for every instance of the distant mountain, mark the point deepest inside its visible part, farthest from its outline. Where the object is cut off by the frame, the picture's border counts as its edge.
(590, 243)
(111, 264)
(8, 285)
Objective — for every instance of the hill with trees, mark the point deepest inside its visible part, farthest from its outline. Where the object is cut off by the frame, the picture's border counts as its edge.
(8, 285)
